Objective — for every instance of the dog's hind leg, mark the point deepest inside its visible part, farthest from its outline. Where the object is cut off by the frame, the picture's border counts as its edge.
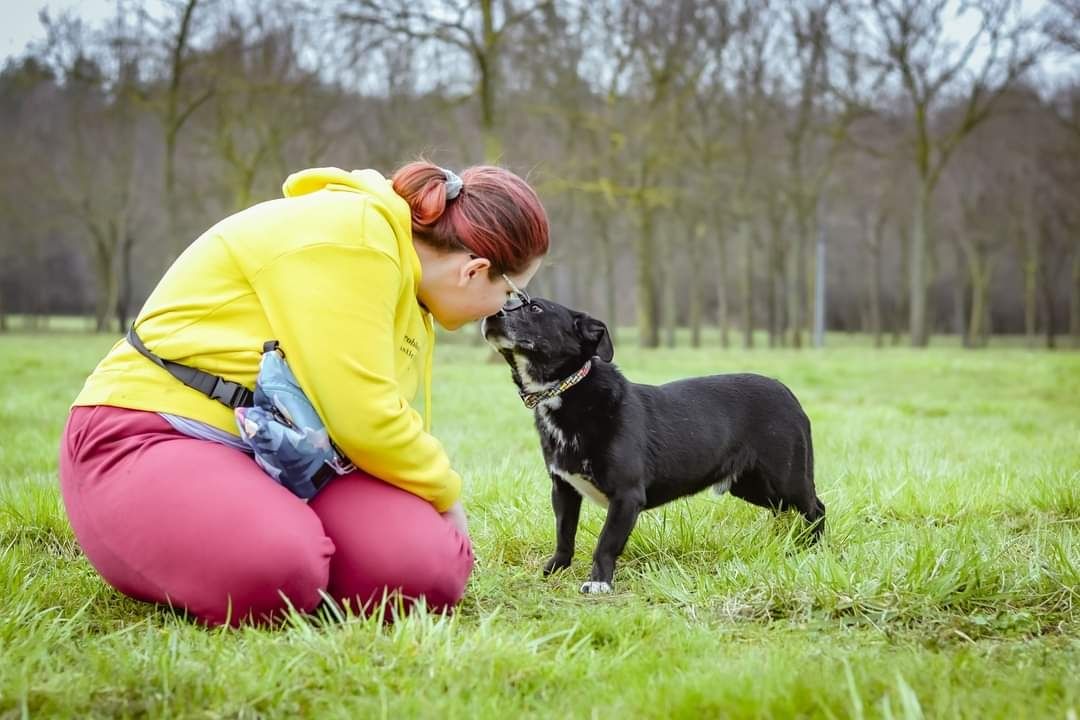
(755, 487)
(800, 485)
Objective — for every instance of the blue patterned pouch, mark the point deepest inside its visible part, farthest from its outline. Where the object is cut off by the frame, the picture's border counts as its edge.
(285, 433)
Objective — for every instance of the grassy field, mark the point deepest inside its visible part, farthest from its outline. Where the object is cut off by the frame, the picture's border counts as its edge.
(948, 584)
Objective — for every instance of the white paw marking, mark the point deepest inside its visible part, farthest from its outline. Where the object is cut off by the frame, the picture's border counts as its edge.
(582, 484)
(595, 587)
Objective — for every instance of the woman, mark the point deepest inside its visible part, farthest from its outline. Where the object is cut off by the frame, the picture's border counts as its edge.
(346, 272)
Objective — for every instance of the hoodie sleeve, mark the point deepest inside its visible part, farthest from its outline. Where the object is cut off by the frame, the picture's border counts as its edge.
(332, 308)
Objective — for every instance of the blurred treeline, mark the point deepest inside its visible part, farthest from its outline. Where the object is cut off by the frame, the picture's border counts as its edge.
(902, 167)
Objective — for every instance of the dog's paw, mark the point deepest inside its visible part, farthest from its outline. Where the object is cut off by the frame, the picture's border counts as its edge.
(595, 587)
(554, 564)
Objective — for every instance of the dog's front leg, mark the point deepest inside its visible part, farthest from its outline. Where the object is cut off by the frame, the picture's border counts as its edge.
(621, 517)
(566, 502)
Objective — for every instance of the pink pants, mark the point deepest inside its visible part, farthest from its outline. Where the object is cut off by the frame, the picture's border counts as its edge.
(170, 519)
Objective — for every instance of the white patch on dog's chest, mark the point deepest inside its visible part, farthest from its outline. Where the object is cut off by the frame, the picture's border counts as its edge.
(547, 423)
(582, 484)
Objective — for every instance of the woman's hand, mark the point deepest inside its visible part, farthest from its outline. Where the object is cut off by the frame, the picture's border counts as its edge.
(456, 515)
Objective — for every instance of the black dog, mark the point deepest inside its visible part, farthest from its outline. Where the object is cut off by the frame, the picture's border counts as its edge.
(632, 447)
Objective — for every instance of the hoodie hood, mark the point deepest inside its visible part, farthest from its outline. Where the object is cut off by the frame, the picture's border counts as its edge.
(368, 182)
(332, 178)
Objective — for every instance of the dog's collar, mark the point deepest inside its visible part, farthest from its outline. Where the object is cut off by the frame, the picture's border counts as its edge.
(533, 399)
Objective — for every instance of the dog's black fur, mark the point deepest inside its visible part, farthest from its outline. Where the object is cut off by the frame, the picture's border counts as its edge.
(640, 446)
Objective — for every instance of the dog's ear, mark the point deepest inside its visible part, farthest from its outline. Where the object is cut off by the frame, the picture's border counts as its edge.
(595, 333)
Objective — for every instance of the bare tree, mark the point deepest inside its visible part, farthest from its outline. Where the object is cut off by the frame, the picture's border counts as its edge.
(1062, 28)
(679, 147)
(477, 29)
(92, 165)
(980, 231)
(873, 222)
(658, 64)
(29, 88)
(755, 38)
(1062, 25)
(706, 134)
(266, 101)
(814, 134)
(912, 43)
(182, 93)
(1051, 243)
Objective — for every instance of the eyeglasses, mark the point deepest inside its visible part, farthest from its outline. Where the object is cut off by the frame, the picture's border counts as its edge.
(517, 299)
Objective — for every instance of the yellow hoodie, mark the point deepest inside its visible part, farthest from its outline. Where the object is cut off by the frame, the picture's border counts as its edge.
(331, 273)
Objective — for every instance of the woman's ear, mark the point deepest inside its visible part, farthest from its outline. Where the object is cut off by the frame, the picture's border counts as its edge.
(472, 267)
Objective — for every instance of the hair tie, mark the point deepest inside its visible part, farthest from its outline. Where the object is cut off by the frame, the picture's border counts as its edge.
(454, 184)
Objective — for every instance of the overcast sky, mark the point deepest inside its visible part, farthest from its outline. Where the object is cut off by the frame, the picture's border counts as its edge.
(19, 23)
(19, 20)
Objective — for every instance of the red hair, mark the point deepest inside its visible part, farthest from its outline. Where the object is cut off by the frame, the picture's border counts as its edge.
(495, 216)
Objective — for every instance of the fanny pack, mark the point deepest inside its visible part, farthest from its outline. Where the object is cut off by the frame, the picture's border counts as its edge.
(277, 421)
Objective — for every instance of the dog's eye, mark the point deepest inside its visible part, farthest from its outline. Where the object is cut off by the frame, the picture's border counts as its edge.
(534, 308)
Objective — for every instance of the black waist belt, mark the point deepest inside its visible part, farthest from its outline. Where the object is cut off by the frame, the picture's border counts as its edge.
(229, 394)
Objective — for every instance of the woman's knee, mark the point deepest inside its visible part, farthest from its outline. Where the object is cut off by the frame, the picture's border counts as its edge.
(277, 575)
(441, 573)
(391, 542)
(435, 572)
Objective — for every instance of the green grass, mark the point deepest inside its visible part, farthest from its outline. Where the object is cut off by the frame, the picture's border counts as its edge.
(948, 584)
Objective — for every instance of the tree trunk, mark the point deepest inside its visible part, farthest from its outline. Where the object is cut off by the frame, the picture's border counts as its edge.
(1074, 297)
(579, 286)
(960, 293)
(608, 269)
(1031, 283)
(876, 328)
(748, 282)
(577, 263)
(124, 292)
(901, 315)
(487, 64)
(696, 239)
(106, 299)
(242, 188)
(820, 297)
(770, 290)
(873, 243)
(649, 335)
(980, 281)
(1047, 293)
(173, 121)
(722, 314)
(917, 267)
(775, 282)
(175, 243)
(667, 292)
(797, 291)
